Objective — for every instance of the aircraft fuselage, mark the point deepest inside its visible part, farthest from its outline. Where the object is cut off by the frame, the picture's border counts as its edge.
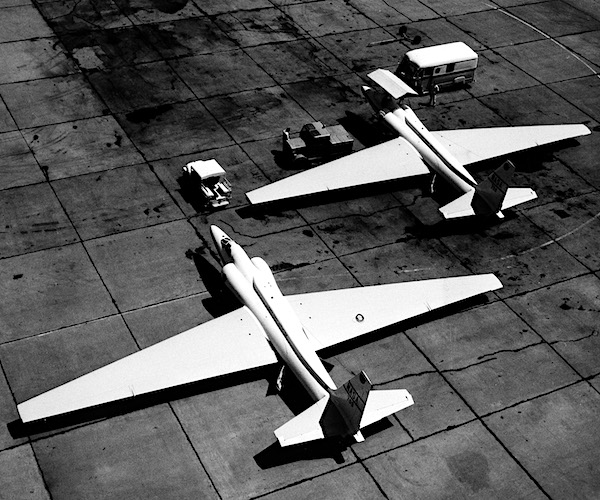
(252, 282)
(406, 123)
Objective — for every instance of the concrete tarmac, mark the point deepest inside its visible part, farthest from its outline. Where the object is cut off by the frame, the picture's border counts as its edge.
(104, 251)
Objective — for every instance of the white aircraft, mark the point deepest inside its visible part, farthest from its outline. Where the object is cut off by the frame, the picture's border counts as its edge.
(269, 329)
(418, 151)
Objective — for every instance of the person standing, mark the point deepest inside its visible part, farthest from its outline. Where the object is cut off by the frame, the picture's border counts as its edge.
(433, 90)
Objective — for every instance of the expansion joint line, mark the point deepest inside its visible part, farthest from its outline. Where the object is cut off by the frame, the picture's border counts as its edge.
(480, 419)
(546, 36)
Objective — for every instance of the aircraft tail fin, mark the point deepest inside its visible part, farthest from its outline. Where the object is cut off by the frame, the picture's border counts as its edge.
(490, 196)
(360, 406)
(490, 193)
(346, 411)
(351, 401)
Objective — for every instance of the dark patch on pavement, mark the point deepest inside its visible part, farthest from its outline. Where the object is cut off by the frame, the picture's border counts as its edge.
(146, 115)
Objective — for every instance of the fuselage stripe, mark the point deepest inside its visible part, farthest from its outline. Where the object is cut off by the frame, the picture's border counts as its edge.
(306, 365)
(439, 155)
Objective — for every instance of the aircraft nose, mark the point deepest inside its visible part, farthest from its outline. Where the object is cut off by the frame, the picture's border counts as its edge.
(217, 233)
(218, 236)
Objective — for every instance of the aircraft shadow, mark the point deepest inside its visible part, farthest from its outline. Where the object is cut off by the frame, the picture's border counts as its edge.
(18, 429)
(276, 456)
(333, 448)
(189, 191)
(468, 225)
(403, 326)
(366, 129)
(338, 196)
(221, 300)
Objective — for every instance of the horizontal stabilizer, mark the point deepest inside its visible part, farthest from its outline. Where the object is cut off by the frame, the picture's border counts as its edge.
(360, 406)
(490, 196)
(304, 427)
(354, 406)
(461, 207)
(516, 196)
(383, 403)
(391, 83)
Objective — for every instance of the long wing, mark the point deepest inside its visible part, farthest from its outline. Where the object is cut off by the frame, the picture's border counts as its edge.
(391, 160)
(462, 206)
(335, 316)
(227, 344)
(478, 144)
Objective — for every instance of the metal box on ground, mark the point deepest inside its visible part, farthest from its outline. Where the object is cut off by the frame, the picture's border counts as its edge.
(316, 143)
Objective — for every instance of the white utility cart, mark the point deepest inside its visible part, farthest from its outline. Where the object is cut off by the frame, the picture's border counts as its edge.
(210, 179)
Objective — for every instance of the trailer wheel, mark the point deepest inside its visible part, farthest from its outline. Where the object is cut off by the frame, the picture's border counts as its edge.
(300, 161)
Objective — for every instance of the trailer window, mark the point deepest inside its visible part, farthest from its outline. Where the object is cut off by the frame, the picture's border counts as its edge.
(450, 67)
